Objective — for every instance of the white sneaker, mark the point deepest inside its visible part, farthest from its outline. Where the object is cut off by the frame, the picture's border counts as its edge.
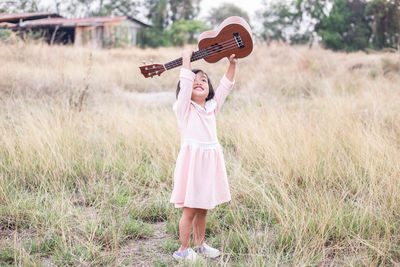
(207, 251)
(187, 255)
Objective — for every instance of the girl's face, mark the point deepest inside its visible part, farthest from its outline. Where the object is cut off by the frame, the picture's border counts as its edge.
(200, 86)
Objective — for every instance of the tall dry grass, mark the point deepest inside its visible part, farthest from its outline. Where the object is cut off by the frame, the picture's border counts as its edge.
(310, 137)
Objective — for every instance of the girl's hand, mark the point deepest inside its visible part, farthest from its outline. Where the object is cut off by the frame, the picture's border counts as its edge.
(232, 59)
(186, 56)
(230, 73)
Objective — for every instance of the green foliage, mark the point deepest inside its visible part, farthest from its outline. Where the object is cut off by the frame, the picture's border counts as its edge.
(172, 23)
(158, 13)
(291, 21)
(5, 33)
(118, 7)
(14, 6)
(386, 22)
(8, 36)
(277, 18)
(97, 7)
(163, 13)
(185, 31)
(342, 24)
(346, 27)
(180, 33)
(152, 37)
(184, 9)
(218, 14)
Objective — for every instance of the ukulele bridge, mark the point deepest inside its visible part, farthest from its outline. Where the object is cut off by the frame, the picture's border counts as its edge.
(238, 40)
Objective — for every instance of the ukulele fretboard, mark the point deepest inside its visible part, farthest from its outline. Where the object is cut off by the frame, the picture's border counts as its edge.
(199, 54)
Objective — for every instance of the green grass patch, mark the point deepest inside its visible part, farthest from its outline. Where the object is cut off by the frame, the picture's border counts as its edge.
(8, 255)
(132, 228)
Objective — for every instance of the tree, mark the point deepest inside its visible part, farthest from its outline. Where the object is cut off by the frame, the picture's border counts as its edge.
(170, 20)
(184, 31)
(158, 13)
(217, 15)
(342, 24)
(278, 20)
(386, 22)
(184, 9)
(14, 6)
(152, 37)
(156, 35)
(346, 27)
(308, 14)
(116, 8)
(164, 13)
(292, 21)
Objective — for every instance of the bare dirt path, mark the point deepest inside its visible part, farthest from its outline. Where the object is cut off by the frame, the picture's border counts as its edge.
(157, 251)
(152, 251)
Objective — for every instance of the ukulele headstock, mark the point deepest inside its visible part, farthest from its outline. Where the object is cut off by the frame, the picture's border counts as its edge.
(152, 70)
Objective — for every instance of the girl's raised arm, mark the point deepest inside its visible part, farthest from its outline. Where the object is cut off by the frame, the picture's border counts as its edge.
(186, 79)
(230, 73)
(226, 83)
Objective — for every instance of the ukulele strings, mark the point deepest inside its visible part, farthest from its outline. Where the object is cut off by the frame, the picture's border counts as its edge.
(203, 52)
(178, 62)
(228, 43)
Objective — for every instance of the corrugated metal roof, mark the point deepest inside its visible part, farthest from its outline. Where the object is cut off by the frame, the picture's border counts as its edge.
(15, 17)
(101, 19)
(64, 22)
(140, 22)
(45, 18)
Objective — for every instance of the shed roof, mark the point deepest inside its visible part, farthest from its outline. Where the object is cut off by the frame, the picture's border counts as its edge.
(140, 22)
(65, 22)
(16, 17)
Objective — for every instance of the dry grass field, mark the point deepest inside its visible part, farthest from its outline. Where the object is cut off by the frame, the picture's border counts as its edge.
(311, 140)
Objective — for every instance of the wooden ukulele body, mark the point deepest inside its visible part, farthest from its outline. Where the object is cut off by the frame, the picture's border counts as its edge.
(232, 36)
(219, 42)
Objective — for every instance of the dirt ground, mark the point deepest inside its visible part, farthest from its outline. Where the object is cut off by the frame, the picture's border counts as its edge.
(151, 251)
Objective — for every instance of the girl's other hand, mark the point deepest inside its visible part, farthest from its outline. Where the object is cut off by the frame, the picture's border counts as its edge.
(232, 59)
(230, 73)
(187, 53)
(186, 56)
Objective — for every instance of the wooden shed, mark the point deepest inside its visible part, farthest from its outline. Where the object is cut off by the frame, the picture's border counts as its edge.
(96, 32)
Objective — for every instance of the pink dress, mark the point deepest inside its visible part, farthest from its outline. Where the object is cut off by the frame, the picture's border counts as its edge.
(200, 179)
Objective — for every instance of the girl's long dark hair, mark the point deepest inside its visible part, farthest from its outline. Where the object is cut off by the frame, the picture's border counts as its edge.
(211, 92)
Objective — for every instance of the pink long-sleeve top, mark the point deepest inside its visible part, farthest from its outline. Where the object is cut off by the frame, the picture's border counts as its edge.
(198, 124)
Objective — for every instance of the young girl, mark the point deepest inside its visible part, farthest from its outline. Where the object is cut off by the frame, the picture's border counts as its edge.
(200, 181)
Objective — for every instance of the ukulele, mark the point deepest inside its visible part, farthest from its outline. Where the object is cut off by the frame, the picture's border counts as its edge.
(232, 36)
